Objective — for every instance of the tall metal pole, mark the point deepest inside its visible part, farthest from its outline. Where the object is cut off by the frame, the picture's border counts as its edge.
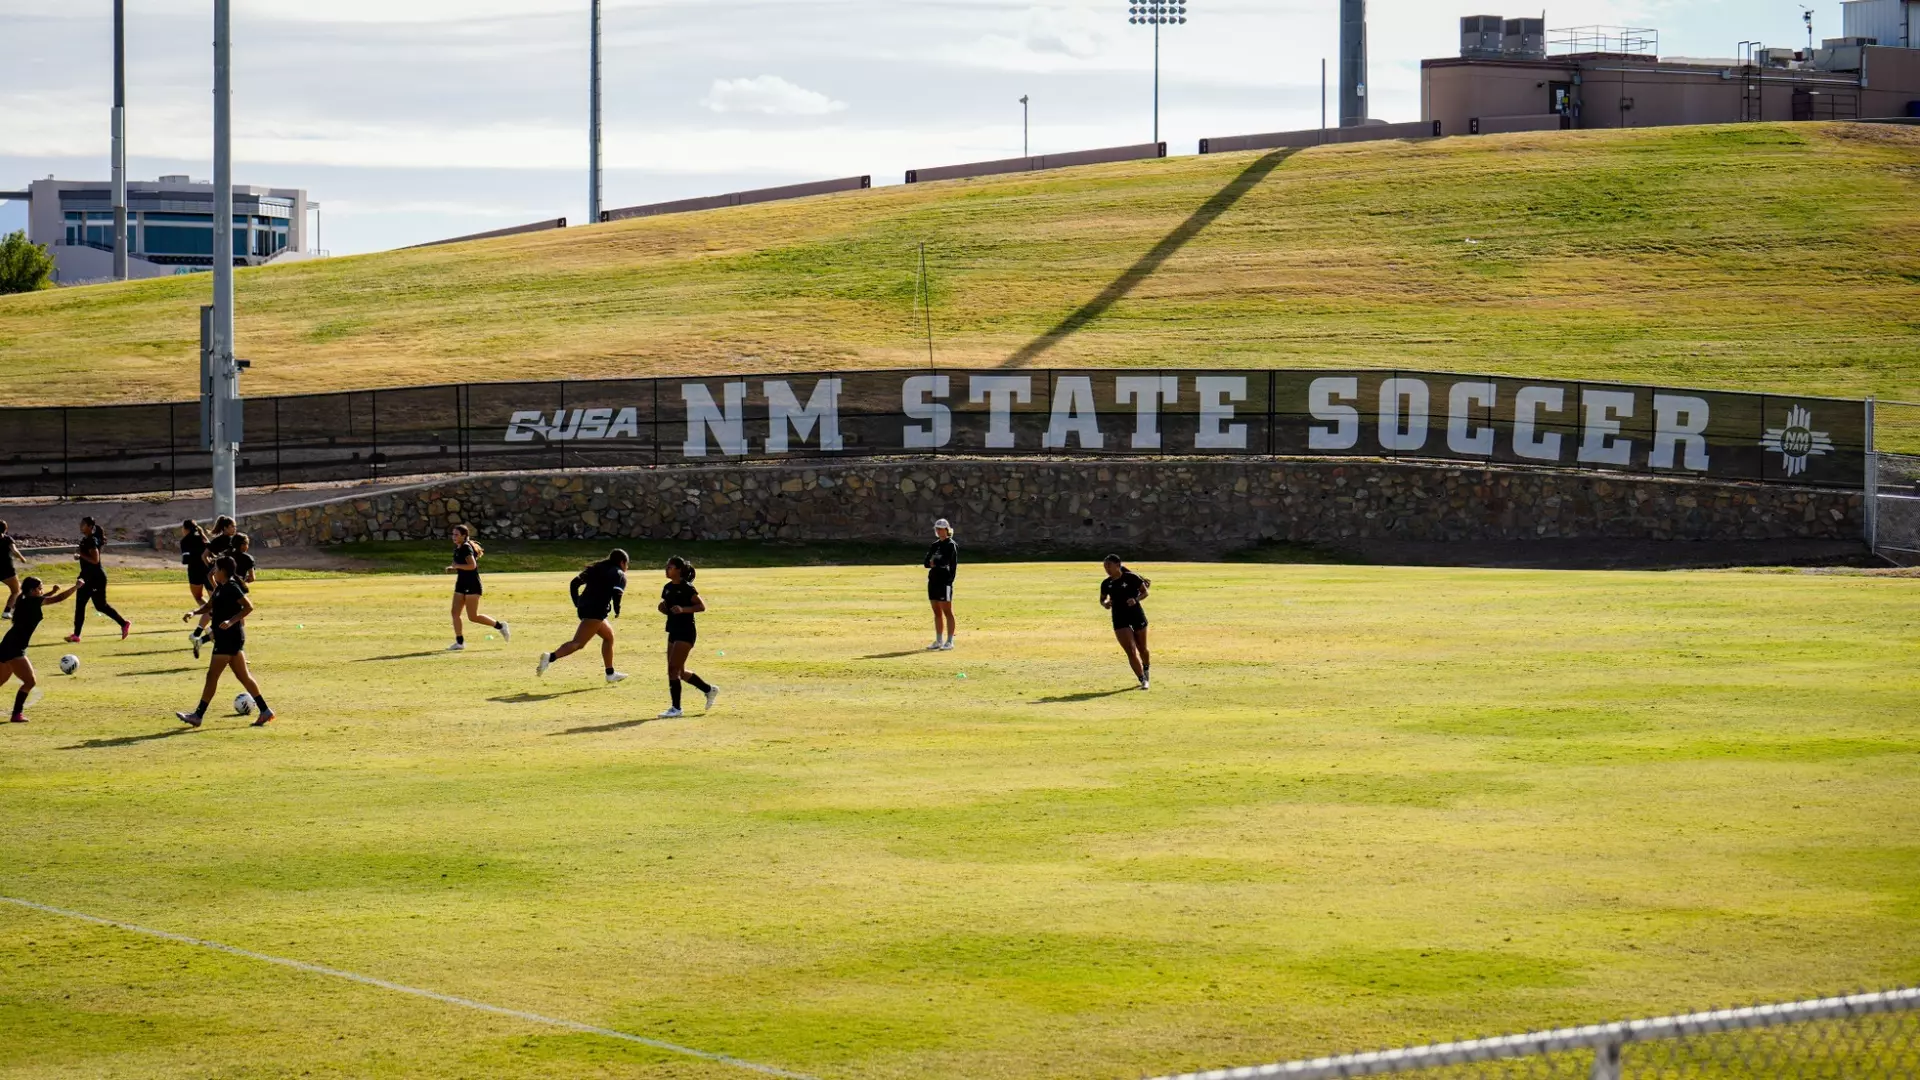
(1353, 63)
(593, 122)
(1026, 148)
(1156, 80)
(1323, 99)
(120, 140)
(226, 381)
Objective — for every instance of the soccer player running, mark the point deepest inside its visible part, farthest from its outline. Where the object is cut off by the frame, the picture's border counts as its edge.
(93, 581)
(9, 554)
(680, 602)
(13, 647)
(942, 563)
(1121, 594)
(220, 544)
(228, 609)
(467, 589)
(193, 555)
(596, 593)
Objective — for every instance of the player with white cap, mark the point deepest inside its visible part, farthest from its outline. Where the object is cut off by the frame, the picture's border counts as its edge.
(942, 563)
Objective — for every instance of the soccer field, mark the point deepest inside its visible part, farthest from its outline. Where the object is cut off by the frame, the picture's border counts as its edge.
(1359, 806)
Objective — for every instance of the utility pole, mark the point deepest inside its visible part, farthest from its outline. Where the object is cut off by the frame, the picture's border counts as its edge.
(593, 121)
(120, 140)
(1323, 99)
(1026, 149)
(223, 389)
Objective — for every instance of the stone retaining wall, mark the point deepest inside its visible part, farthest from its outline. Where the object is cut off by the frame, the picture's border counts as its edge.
(1185, 507)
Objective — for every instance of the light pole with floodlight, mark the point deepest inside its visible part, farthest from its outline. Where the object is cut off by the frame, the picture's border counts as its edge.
(1025, 149)
(1157, 13)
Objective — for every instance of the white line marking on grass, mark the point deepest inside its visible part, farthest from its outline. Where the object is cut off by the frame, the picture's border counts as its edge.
(447, 999)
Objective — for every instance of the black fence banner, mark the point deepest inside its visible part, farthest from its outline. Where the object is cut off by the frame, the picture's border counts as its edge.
(1358, 413)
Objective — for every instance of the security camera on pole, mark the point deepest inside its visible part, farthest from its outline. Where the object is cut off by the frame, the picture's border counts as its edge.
(219, 371)
(1157, 13)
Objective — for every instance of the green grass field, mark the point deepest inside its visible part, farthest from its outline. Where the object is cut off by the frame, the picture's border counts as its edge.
(1360, 806)
(1759, 256)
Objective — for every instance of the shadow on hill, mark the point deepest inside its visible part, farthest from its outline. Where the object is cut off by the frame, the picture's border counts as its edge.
(1209, 211)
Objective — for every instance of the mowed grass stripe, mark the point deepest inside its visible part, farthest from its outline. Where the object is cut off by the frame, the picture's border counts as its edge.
(1361, 806)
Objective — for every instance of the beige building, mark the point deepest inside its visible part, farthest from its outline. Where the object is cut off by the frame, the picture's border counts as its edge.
(1604, 77)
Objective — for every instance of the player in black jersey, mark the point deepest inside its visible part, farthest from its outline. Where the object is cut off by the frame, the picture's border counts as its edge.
(93, 581)
(218, 545)
(467, 589)
(13, 647)
(9, 575)
(228, 608)
(596, 593)
(680, 602)
(193, 555)
(942, 563)
(1121, 594)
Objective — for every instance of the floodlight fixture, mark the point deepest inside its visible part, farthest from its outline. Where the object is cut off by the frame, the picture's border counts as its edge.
(1157, 13)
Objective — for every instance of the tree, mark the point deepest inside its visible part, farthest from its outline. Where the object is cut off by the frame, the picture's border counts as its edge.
(24, 265)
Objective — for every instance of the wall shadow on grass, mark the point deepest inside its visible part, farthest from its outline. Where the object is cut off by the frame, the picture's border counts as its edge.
(1209, 212)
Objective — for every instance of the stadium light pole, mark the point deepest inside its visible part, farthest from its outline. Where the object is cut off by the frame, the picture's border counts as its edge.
(593, 117)
(1026, 150)
(223, 385)
(1157, 13)
(120, 140)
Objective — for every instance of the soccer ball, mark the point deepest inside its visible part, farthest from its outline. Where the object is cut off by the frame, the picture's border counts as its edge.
(243, 704)
(69, 664)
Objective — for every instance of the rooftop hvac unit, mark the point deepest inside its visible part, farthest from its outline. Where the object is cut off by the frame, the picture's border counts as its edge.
(1524, 39)
(1482, 37)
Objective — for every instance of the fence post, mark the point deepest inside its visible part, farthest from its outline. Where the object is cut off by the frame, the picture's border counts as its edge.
(1872, 486)
(1606, 1061)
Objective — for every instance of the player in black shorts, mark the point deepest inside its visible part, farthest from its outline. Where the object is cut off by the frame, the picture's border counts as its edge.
(93, 581)
(1121, 594)
(9, 574)
(193, 555)
(467, 589)
(228, 609)
(942, 563)
(680, 602)
(218, 545)
(13, 647)
(596, 593)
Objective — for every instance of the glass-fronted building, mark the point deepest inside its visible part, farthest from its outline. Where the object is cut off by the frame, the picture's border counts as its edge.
(169, 226)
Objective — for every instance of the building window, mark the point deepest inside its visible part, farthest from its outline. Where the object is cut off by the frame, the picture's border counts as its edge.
(178, 240)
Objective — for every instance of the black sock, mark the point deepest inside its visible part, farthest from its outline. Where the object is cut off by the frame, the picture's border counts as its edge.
(609, 671)
(262, 702)
(459, 639)
(699, 683)
(673, 687)
(20, 701)
(202, 710)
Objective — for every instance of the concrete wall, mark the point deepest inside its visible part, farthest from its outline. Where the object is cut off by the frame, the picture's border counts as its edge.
(1275, 140)
(1185, 507)
(1038, 162)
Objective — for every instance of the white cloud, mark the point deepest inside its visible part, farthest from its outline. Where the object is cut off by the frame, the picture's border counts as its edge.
(768, 94)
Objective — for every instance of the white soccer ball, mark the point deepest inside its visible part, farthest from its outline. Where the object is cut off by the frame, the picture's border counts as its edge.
(69, 664)
(243, 704)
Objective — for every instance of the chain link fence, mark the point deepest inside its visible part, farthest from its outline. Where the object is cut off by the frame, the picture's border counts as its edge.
(1893, 488)
(1868, 1036)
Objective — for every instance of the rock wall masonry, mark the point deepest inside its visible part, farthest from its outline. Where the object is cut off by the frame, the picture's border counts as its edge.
(1188, 507)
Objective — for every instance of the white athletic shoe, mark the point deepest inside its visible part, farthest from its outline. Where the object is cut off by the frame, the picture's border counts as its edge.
(546, 661)
(616, 676)
(670, 714)
(947, 645)
(505, 634)
(935, 647)
(7, 615)
(458, 646)
(1144, 685)
(713, 695)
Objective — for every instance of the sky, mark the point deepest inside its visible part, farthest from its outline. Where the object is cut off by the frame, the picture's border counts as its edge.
(415, 120)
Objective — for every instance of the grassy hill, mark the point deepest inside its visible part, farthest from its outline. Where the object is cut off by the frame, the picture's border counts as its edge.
(1782, 256)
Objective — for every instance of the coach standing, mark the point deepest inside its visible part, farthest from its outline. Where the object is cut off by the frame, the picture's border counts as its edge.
(943, 563)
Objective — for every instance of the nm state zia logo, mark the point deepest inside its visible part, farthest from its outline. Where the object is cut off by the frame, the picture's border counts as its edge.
(1798, 442)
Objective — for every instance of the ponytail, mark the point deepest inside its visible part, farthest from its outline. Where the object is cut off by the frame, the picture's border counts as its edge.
(466, 537)
(687, 572)
(193, 528)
